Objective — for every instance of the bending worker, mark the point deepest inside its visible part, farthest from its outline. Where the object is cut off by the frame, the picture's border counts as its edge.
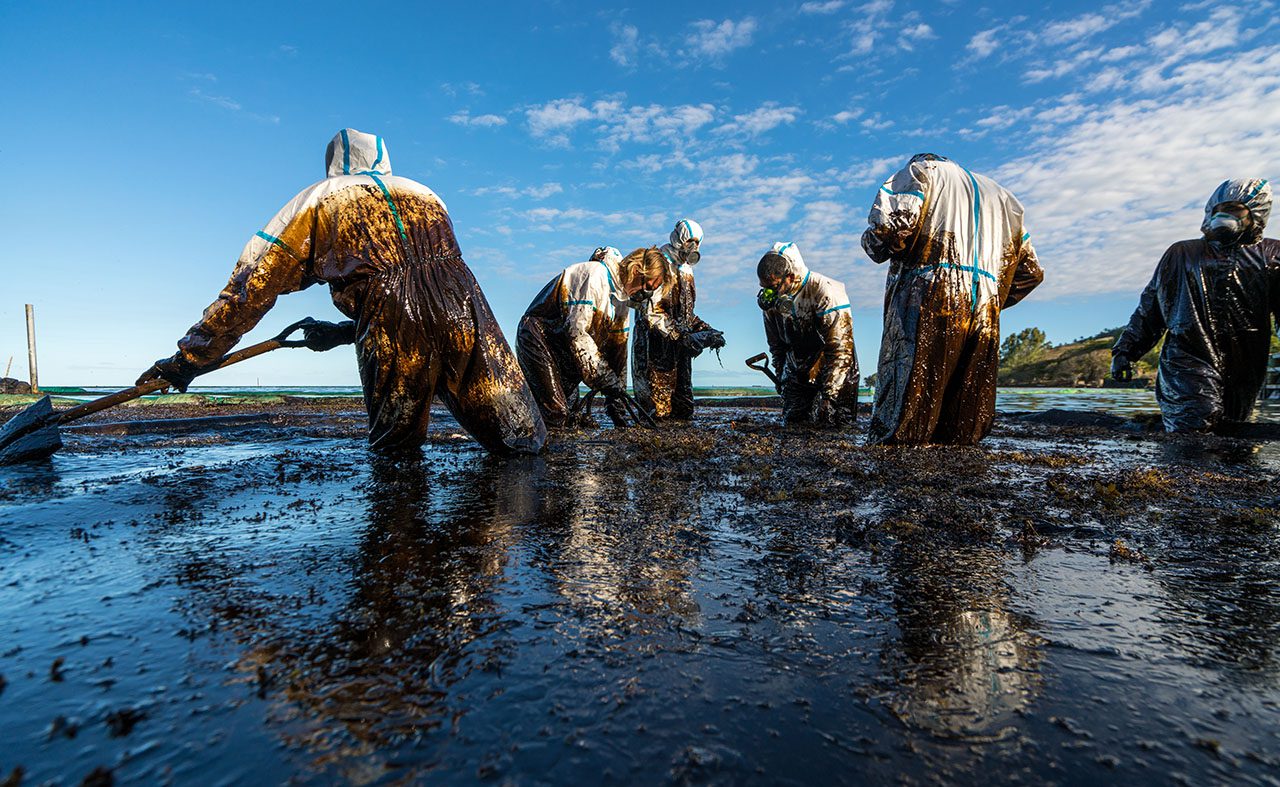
(575, 331)
(421, 325)
(959, 253)
(668, 335)
(1213, 299)
(809, 327)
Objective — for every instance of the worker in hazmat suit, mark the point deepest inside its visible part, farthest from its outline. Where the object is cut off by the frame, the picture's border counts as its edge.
(385, 246)
(959, 253)
(1212, 299)
(575, 331)
(668, 335)
(809, 327)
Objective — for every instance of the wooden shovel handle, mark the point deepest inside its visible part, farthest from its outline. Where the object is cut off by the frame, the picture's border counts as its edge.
(151, 386)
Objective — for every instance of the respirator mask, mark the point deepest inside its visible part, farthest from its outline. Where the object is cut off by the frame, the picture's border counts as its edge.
(1224, 228)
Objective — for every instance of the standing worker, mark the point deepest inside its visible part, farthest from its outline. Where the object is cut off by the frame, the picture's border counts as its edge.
(959, 253)
(575, 331)
(668, 335)
(1213, 299)
(422, 327)
(809, 327)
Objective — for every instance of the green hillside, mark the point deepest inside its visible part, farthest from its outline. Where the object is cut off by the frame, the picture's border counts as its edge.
(1027, 359)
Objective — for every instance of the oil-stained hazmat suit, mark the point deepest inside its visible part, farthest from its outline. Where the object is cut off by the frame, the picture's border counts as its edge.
(385, 246)
(809, 328)
(575, 331)
(668, 335)
(959, 253)
(1212, 299)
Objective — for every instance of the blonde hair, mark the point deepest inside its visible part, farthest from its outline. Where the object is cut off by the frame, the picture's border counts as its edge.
(645, 264)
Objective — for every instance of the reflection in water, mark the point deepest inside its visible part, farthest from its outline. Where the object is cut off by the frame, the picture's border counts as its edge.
(616, 545)
(964, 664)
(422, 614)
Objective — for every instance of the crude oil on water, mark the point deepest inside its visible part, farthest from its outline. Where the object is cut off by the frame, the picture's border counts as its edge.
(263, 601)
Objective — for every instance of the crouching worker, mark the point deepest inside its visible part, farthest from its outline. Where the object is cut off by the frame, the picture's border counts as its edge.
(669, 335)
(960, 253)
(1213, 299)
(421, 325)
(575, 331)
(809, 327)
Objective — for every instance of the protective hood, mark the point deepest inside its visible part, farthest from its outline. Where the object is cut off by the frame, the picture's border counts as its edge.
(792, 252)
(607, 254)
(351, 152)
(686, 237)
(1254, 194)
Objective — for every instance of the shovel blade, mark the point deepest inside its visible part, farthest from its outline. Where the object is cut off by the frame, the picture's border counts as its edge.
(30, 435)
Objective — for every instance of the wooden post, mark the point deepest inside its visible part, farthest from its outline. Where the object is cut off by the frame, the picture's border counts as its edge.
(31, 348)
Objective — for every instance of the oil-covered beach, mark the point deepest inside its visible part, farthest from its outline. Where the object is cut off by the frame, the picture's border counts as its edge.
(241, 592)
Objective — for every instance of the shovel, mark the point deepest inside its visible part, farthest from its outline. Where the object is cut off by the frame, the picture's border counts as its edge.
(33, 433)
(761, 364)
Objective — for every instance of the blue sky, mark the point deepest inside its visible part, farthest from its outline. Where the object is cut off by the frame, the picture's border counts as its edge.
(147, 142)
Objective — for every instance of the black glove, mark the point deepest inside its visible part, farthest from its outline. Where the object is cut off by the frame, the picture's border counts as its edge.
(612, 389)
(694, 343)
(176, 370)
(617, 410)
(824, 411)
(322, 336)
(1121, 368)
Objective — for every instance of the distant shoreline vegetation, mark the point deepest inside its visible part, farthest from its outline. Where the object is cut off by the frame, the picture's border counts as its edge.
(1028, 360)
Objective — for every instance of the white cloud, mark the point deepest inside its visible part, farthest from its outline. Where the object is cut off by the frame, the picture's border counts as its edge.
(844, 116)
(1063, 66)
(734, 165)
(544, 191)
(918, 32)
(983, 43)
(500, 191)
(1107, 194)
(713, 40)
(1077, 28)
(218, 101)
(465, 118)
(873, 171)
(552, 121)
(876, 122)
(652, 123)
(511, 192)
(828, 7)
(869, 25)
(912, 34)
(761, 120)
(453, 90)
(626, 44)
(617, 123)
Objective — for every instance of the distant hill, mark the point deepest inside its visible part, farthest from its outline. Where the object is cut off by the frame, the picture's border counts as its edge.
(1026, 359)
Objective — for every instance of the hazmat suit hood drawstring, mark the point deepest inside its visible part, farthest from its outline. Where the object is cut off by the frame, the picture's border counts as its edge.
(352, 152)
(1254, 194)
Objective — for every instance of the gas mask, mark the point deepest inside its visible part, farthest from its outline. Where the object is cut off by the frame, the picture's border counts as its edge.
(692, 256)
(640, 297)
(768, 298)
(1224, 228)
